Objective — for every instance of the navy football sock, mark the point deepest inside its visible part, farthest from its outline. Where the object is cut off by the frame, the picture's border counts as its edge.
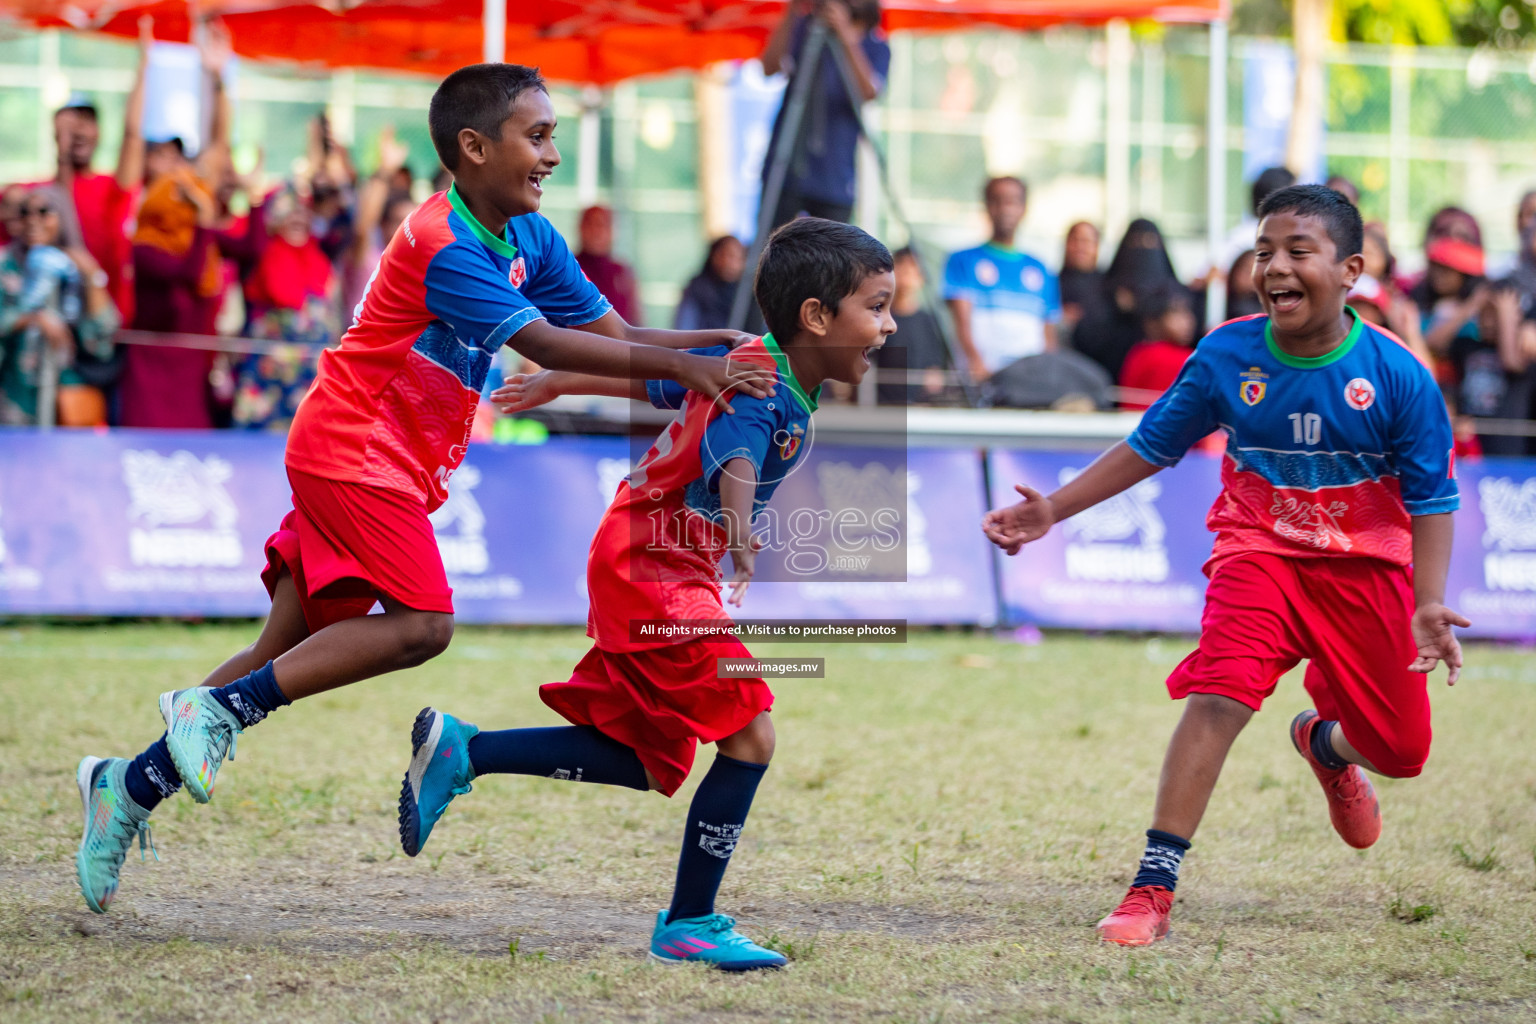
(576, 752)
(715, 819)
(1322, 747)
(251, 698)
(1160, 864)
(152, 776)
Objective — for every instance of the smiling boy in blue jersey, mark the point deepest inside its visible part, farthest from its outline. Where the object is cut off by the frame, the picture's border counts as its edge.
(1333, 537)
(379, 434)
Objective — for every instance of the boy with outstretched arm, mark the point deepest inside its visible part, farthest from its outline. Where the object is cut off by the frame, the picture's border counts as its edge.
(1333, 537)
(385, 424)
(639, 707)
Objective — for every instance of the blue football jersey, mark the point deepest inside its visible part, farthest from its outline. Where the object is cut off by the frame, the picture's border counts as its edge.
(1327, 456)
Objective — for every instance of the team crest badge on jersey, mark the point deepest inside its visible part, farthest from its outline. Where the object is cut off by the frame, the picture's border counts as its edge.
(1360, 394)
(1254, 383)
(789, 443)
(519, 273)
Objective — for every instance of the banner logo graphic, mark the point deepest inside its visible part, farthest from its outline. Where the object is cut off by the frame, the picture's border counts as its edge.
(179, 513)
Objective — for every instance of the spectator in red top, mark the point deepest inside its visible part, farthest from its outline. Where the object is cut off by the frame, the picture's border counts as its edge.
(613, 278)
(1151, 366)
(103, 203)
(291, 300)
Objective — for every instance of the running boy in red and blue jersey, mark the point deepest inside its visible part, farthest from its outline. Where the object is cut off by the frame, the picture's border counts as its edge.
(384, 426)
(1333, 536)
(639, 706)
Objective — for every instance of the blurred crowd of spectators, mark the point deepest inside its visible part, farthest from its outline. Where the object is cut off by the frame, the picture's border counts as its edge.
(183, 246)
(1084, 337)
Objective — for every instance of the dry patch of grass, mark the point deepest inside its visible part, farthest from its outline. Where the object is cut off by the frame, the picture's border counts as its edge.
(943, 823)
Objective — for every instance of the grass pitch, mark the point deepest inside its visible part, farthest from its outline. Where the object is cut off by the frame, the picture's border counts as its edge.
(944, 822)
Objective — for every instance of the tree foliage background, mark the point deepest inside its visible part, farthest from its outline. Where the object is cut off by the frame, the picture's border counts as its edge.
(1504, 24)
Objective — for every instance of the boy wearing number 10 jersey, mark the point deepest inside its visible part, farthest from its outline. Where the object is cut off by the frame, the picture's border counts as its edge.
(1333, 536)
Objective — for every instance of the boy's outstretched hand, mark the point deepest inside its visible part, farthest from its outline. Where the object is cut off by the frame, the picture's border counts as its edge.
(744, 559)
(716, 377)
(1432, 635)
(1012, 527)
(524, 391)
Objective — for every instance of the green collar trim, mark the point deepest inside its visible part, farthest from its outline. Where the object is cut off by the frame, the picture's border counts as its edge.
(1315, 362)
(1006, 250)
(787, 375)
(491, 242)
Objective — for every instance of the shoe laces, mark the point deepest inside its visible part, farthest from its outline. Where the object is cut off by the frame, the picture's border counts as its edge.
(1146, 899)
(124, 829)
(459, 789)
(225, 736)
(723, 926)
(1350, 784)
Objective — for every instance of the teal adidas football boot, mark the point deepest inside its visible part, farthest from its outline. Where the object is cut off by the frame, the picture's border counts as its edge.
(112, 822)
(712, 940)
(439, 771)
(200, 732)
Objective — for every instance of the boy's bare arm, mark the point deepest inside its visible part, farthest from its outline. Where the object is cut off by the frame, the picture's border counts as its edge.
(738, 491)
(1432, 620)
(1012, 527)
(612, 325)
(524, 391)
(587, 353)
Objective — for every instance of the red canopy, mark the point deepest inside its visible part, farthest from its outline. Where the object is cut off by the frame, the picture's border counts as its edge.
(571, 40)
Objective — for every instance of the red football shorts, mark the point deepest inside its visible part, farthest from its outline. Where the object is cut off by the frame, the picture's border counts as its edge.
(1349, 616)
(662, 702)
(347, 543)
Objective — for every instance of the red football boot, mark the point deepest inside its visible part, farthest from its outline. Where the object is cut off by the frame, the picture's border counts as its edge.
(1352, 805)
(1140, 919)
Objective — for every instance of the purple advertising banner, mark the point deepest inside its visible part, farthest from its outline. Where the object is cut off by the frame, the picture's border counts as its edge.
(920, 561)
(137, 522)
(1493, 565)
(1132, 562)
(173, 523)
(517, 524)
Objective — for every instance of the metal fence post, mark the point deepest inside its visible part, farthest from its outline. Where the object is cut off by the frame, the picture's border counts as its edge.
(1117, 127)
(47, 385)
(1401, 79)
(1216, 171)
(493, 28)
(1153, 70)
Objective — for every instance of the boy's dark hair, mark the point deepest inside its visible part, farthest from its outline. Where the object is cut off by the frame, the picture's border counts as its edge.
(478, 96)
(986, 190)
(812, 258)
(1333, 208)
(1270, 181)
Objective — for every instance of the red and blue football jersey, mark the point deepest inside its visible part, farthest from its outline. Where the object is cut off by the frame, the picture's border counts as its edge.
(394, 402)
(658, 549)
(1329, 456)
